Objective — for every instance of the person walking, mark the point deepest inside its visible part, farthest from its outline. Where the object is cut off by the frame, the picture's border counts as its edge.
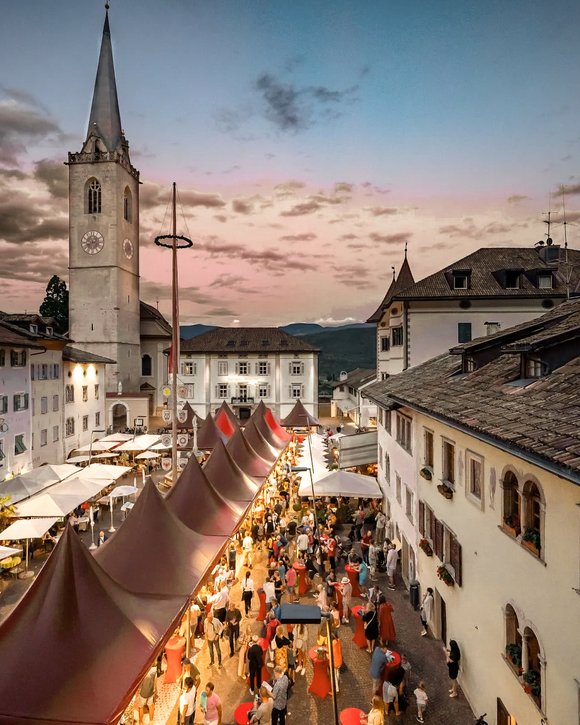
(387, 630)
(300, 648)
(380, 524)
(378, 661)
(244, 642)
(247, 547)
(233, 619)
(453, 657)
(211, 706)
(247, 592)
(373, 559)
(422, 700)
(392, 559)
(255, 659)
(187, 703)
(291, 584)
(426, 611)
(371, 626)
(148, 693)
(219, 602)
(212, 629)
(346, 591)
(376, 715)
(391, 698)
(280, 696)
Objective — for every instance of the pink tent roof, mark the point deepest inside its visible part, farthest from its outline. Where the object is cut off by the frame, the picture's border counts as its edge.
(228, 478)
(77, 645)
(299, 417)
(224, 423)
(268, 433)
(259, 443)
(153, 552)
(282, 434)
(246, 457)
(213, 517)
(225, 408)
(209, 434)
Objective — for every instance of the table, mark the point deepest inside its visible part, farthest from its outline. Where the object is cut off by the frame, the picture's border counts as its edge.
(320, 684)
(173, 652)
(351, 716)
(359, 627)
(352, 574)
(303, 585)
(265, 645)
(390, 666)
(262, 611)
(241, 713)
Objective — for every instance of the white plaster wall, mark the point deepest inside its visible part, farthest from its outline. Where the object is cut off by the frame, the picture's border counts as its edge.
(80, 374)
(15, 380)
(497, 570)
(53, 451)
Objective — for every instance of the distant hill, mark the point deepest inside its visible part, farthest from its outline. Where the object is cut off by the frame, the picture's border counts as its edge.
(302, 328)
(189, 331)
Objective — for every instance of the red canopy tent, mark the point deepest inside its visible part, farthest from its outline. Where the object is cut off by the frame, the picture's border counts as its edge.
(153, 552)
(77, 645)
(264, 449)
(199, 506)
(225, 424)
(299, 417)
(225, 409)
(274, 440)
(209, 434)
(282, 434)
(227, 477)
(246, 457)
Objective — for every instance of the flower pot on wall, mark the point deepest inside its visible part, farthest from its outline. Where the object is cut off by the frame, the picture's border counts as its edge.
(445, 491)
(531, 547)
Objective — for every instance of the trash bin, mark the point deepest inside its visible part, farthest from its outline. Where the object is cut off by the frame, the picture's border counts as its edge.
(414, 594)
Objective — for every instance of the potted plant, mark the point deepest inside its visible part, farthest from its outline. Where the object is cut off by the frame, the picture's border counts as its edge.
(514, 654)
(426, 547)
(511, 524)
(533, 682)
(445, 576)
(532, 541)
(445, 491)
(426, 473)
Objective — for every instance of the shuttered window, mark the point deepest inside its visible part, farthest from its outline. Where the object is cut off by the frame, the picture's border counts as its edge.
(421, 518)
(438, 539)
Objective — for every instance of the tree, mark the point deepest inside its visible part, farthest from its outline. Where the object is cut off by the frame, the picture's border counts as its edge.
(7, 512)
(55, 304)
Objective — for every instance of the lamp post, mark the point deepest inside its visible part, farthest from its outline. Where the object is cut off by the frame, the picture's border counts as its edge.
(95, 430)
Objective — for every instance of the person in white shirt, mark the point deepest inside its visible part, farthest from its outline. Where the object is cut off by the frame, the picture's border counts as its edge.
(247, 592)
(219, 603)
(302, 544)
(422, 700)
(380, 524)
(392, 559)
(426, 611)
(269, 590)
(247, 546)
(187, 703)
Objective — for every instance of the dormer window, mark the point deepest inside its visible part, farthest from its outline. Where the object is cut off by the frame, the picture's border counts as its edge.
(545, 280)
(34, 329)
(512, 279)
(468, 364)
(535, 368)
(460, 280)
(49, 331)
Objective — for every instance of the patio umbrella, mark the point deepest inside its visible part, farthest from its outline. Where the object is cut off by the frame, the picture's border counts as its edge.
(27, 529)
(123, 491)
(105, 455)
(6, 551)
(147, 454)
(78, 459)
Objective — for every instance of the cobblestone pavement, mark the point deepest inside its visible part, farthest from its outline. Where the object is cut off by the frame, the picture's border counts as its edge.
(425, 654)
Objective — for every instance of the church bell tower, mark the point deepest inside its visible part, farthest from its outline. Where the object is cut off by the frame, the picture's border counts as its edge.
(104, 235)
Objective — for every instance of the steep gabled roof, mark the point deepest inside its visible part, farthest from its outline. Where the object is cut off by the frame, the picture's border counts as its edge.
(245, 340)
(72, 354)
(148, 312)
(403, 280)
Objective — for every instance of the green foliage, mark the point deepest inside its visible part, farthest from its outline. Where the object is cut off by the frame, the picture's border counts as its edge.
(514, 653)
(55, 304)
(7, 512)
(533, 536)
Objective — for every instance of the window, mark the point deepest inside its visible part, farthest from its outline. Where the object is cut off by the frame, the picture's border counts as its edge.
(85, 422)
(85, 393)
(96, 392)
(44, 405)
(534, 368)
(511, 504)
(69, 393)
(55, 403)
(385, 344)
(20, 402)
(19, 445)
(243, 368)
(512, 279)
(404, 432)
(397, 336)
(468, 364)
(388, 421)
(2, 358)
(532, 664)
(222, 390)
(398, 487)
(428, 448)
(43, 372)
(97, 419)
(2, 454)
(189, 368)
(387, 469)
(296, 390)
(474, 470)
(452, 554)
(70, 427)
(17, 358)
(384, 376)
(296, 367)
(460, 280)
(448, 462)
(263, 390)
(545, 280)
(409, 503)
(43, 437)
(146, 366)
(532, 517)
(426, 522)
(93, 197)
(222, 367)
(464, 332)
(3, 404)
(263, 368)
(243, 393)
(127, 205)
(55, 433)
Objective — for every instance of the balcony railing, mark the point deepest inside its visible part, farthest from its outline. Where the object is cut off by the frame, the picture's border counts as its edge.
(242, 400)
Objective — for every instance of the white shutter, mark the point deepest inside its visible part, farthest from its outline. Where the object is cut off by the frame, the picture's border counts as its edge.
(269, 370)
(228, 391)
(302, 391)
(268, 389)
(289, 391)
(237, 368)
(302, 368)
(290, 368)
(217, 391)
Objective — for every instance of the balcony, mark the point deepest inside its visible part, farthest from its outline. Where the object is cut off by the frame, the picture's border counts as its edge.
(242, 400)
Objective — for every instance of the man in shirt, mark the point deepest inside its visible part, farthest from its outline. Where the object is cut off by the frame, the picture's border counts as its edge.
(212, 628)
(212, 706)
(378, 660)
(380, 524)
(187, 703)
(233, 619)
(148, 693)
(302, 543)
(392, 559)
(390, 697)
(219, 603)
(280, 696)
(269, 590)
(255, 659)
(291, 584)
(247, 546)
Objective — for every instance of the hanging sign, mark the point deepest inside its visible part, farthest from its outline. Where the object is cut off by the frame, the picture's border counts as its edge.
(166, 415)
(166, 391)
(182, 440)
(182, 416)
(166, 440)
(182, 391)
(166, 464)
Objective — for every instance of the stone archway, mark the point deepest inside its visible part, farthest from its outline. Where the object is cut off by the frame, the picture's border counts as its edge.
(119, 416)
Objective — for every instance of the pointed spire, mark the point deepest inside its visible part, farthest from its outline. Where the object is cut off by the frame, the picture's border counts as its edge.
(105, 118)
(406, 250)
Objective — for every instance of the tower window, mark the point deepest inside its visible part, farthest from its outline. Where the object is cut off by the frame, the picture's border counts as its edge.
(93, 197)
(128, 206)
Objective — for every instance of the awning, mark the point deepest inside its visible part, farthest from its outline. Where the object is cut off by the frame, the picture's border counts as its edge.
(139, 443)
(319, 461)
(104, 472)
(342, 483)
(227, 477)
(358, 449)
(27, 529)
(345, 405)
(8, 551)
(37, 480)
(61, 498)
(101, 445)
(146, 455)
(246, 457)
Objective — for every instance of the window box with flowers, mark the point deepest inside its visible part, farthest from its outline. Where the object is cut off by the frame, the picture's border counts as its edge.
(426, 547)
(445, 575)
(514, 655)
(532, 683)
(511, 525)
(426, 473)
(445, 491)
(531, 540)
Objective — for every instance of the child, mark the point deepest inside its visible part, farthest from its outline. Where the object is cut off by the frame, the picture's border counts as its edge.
(422, 700)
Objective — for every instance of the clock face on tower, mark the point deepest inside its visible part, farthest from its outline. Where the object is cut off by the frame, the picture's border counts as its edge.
(128, 248)
(92, 242)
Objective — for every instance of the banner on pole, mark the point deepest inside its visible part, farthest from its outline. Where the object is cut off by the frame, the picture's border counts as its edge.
(166, 464)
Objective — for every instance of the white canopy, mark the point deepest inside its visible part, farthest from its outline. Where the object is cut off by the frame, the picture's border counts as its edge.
(97, 446)
(117, 438)
(27, 529)
(105, 454)
(38, 479)
(159, 447)
(342, 483)
(104, 472)
(78, 459)
(140, 443)
(147, 454)
(318, 463)
(6, 551)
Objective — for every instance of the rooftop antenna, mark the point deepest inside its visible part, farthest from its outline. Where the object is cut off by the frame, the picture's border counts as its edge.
(568, 270)
(548, 221)
(393, 269)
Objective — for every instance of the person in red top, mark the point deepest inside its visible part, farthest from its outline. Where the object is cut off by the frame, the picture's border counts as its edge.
(387, 632)
(331, 552)
(365, 546)
(291, 584)
(271, 626)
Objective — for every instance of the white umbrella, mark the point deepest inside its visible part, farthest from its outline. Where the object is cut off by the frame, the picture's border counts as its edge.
(27, 529)
(147, 454)
(105, 455)
(140, 443)
(97, 446)
(123, 491)
(342, 483)
(6, 551)
(78, 459)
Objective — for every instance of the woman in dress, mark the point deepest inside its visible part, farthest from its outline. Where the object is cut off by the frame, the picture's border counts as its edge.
(386, 625)
(280, 647)
(300, 648)
(377, 714)
(453, 657)
(244, 642)
(371, 624)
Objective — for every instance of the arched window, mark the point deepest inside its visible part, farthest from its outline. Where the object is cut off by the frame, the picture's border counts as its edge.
(128, 205)
(532, 664)
(511, 504)
(533, 517)
(146, 366)
(513, 638)
(93, 197)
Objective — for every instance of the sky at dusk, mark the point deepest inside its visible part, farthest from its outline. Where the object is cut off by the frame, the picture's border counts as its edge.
(309, 141)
